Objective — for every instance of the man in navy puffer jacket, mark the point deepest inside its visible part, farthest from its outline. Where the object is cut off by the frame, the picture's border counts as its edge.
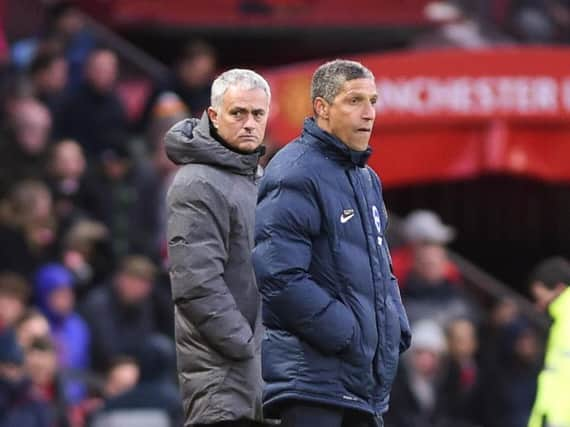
(335, 324)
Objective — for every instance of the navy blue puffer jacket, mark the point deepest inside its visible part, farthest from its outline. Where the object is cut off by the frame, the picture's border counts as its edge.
(335, 324)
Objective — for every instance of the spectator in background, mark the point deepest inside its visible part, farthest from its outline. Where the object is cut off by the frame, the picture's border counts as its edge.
(28, 228)
(500, 320)
(464, 381)
(529, 21)
(65, 30)
(123, 313)
(24, 144)
(168, 111)
(86, 252)
(560, 13)
(430, 286)
(511, 388)
(155, 396)
(31, 326)
(93, 111)
(429, 294)
(49, 74)
(549, 285)
(121, 194)
(64, 176)
(14, 295)
(45, 375)
(193, 74)
(19, 404)
(422, 227)
(54, 293)
(418, 397)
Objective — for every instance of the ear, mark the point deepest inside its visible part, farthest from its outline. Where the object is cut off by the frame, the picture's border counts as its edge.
(213, 115)
(321, 108)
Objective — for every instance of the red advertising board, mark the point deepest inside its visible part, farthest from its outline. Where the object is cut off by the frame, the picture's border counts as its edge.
(453, 114)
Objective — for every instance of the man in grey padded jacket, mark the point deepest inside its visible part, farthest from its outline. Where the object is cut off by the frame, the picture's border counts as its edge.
(211, 205)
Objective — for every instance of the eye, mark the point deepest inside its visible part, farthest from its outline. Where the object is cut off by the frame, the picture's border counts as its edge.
(354, 100)
(237, 114)
(373, 101)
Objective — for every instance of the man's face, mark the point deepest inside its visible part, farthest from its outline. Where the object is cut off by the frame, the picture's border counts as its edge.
(242, 118)
(62, 301)
(133, 289)
(32, 123)
(11, 309)
(350, 116)
(198, 71)
(430, 260)
(102, 71)
(53, 78)
(68, 161)
(42, 366)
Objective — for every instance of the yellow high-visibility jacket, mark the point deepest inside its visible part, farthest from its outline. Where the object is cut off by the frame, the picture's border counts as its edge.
(552, 404)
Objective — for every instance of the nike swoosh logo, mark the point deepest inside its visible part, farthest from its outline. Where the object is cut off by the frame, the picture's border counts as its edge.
(346, 217)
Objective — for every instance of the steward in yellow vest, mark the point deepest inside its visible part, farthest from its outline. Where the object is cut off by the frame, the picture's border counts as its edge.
(549, 286)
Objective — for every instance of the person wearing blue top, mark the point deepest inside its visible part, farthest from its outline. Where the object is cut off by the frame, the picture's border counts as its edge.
(71, 335)
(335, 323)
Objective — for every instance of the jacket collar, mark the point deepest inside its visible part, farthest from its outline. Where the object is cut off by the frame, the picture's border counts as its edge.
(334, 146)
(191, 141)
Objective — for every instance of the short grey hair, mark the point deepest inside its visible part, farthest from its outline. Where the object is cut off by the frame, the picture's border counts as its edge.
(237, 77)
(329, 78)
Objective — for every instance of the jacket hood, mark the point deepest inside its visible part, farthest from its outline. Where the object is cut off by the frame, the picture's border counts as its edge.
(49, 278)
(191, 141)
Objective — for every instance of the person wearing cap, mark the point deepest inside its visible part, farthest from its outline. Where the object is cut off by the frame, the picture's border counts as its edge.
(55, 297)
(550, 287)
(19, 405)
(423, 227)
(122, 313)
(210, 211)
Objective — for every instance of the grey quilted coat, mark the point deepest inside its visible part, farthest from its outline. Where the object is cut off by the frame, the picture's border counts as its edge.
(211, 205)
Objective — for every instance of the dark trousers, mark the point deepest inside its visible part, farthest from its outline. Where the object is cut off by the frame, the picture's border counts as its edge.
(308, 414)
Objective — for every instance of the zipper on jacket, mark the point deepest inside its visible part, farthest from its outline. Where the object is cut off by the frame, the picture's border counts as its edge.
(355, 179)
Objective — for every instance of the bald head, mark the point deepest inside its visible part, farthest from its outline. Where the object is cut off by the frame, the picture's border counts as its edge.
(31, 123)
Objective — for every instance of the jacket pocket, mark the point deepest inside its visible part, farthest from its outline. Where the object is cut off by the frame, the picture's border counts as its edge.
(357, 364)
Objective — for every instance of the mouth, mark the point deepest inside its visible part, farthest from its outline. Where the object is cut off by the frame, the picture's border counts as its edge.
(367, 130)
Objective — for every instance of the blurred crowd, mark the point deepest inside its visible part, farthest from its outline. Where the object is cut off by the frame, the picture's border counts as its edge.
(85, 308)
(471, 364)
(86, 319)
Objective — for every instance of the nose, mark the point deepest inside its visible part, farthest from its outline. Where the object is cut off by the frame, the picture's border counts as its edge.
(369, 112)
(250, 123)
